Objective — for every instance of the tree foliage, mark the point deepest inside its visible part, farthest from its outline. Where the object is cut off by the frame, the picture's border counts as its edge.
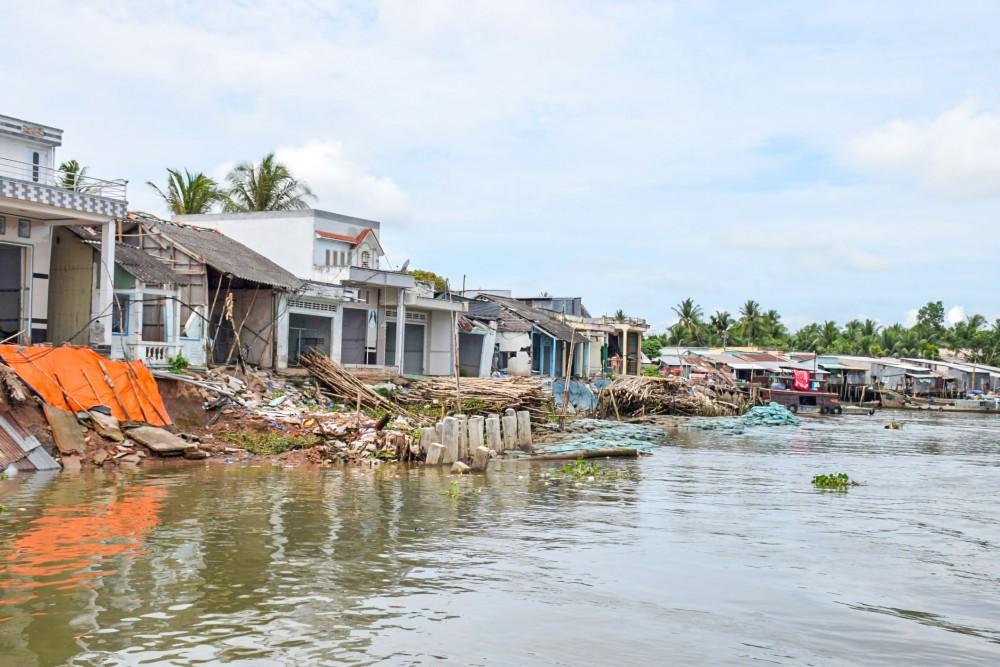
(440, 284)
(974, 337)
(265, 186)
(188, 193)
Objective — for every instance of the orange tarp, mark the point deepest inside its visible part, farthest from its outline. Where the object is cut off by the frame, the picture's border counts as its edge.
(72, 378)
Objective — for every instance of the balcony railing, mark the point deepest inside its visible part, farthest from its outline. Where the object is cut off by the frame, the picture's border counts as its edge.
(154, 354)
(88, 185)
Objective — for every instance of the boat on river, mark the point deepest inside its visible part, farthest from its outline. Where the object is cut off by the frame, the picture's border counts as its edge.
(821, 402)
(895, 399)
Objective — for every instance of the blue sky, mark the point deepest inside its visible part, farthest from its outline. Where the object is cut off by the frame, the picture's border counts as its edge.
(833, 163)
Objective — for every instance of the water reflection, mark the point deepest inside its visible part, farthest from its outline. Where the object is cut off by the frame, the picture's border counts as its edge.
(263, 565)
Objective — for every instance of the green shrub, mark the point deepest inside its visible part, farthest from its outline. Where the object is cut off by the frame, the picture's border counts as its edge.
(270, 442)
(178, 364)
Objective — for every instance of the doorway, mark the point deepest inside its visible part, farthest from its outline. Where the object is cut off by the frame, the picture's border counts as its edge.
(307, 332)
(12, 290)
(413, 346)
(353, 337)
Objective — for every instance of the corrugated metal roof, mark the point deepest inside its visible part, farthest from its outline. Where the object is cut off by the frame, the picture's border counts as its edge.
(144, 266)
(22, 449)
(545, 321)
(223, 253)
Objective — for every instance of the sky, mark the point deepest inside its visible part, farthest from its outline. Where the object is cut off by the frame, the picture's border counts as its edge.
(834, 163)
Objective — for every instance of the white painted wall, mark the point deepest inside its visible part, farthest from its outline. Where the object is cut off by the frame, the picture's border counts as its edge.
(287, 240)
(21, 150)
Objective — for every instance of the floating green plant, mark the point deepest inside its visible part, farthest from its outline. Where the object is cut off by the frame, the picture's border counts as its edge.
(582, 468)
(836, 481)
(453, 491)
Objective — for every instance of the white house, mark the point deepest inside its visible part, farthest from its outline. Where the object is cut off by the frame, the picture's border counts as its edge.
(352, 304)
(45, 286)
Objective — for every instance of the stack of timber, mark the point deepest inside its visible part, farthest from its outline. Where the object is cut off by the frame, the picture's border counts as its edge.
(635, 396)
(345, 386)
(481, 395)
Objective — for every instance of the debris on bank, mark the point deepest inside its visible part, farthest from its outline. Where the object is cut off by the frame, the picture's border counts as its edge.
(584, 435)
(482, 395)
(636, 396)
(773, 414)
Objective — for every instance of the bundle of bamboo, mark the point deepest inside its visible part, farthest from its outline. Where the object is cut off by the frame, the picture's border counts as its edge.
(342, 384)
(481, 395)
(639, 395)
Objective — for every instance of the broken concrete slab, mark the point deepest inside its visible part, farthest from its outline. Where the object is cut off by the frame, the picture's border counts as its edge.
(480, 458)
(99, 457)
(107, 426)
(66, 430)
(71, 463)
(459, 468)
(435, 452)
(196, 454)
(158, 440)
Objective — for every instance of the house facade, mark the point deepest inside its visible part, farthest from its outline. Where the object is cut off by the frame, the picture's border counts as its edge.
(46, 294)
(352, 307)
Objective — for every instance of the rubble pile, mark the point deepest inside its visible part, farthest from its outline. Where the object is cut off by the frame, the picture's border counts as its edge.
(635, 396)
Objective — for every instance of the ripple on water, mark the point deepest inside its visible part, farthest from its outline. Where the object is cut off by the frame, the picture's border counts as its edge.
(715, 549)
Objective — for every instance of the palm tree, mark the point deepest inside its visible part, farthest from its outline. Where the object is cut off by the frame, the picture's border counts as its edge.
(689, 320)
(72, 173)
(750, 323)
(829, 333)
(187, 193)
(719, 324)
(774, 330)
(267, 186)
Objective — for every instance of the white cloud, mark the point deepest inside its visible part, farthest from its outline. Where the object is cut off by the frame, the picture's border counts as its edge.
(341, 184)
(955, 315)
(958, 152)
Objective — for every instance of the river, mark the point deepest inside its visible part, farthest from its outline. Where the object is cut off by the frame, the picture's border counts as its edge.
(715, 550)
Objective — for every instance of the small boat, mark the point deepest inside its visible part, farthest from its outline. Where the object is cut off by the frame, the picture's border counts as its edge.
(821, 402)
(894, 399)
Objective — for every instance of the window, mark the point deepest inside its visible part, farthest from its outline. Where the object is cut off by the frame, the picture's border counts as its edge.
(3, 225)
(119, 315)
(366, 259)
(24, 228)
(35, 159)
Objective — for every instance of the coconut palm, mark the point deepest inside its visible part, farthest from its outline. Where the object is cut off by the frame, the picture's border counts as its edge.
(266, 186)
(187, 193)
(719, 324)
(72, 173)
(689, 325)
(751, 322)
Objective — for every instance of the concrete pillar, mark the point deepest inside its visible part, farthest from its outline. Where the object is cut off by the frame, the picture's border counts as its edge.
(463, 437)
(435, 454)
(624, 351)
(106, 296)
(450, 428)
(428, 434)
(475, 432)
(524, 428)
(493, 439)
(480, 458)
(400, 328)
(509, 432)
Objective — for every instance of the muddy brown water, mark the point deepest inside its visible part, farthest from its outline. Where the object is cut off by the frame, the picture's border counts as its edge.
(715, 550)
